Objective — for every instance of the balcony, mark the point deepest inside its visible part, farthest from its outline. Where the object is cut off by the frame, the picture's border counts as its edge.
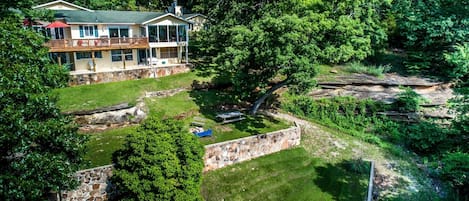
(73, 45)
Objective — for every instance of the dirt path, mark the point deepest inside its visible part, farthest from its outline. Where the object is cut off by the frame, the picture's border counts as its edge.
(395, 176)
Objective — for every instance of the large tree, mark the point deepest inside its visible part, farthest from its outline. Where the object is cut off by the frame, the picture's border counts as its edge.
(429, 29)
(256, 42)
(39, 147)
(160, 161)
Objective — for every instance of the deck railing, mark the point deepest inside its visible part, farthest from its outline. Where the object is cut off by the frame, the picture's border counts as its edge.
(65, 45)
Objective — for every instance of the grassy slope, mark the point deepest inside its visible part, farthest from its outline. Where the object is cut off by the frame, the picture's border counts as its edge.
(287, 175)
(185, 107)
(88, 97)
(101, 146)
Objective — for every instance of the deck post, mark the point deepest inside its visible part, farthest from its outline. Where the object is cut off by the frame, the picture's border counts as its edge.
(59, 60)
(93, 60)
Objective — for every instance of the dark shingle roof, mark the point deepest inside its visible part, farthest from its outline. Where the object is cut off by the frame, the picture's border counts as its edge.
(99, 16)
(188, 16)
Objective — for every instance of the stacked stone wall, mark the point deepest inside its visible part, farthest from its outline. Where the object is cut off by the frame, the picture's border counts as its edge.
(125, 74)
(230, 152)
(95, 184)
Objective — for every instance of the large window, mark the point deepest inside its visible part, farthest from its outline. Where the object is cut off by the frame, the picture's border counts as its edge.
(182, 32)
(153, 34)
(172, 33)
(163, 33)
(170, 52)
(120, 32)
(88, 31)
(87, 55)
(116, 55)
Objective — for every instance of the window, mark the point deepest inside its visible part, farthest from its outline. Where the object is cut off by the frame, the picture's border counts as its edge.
(88, 31)
(116, 55)
(172, 33)
(170, 52)
(120, 32)
(163, 33)
(87, 55)
(128, 55)
(182, 32)
(153, 33)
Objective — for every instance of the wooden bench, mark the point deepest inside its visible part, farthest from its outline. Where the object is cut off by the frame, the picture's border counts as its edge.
(230, 117)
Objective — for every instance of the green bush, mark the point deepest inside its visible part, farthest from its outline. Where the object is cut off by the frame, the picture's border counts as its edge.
(348, 114)
(160, 161)
(426, 137)
(357, 67)
(408, 101)
(456, 171)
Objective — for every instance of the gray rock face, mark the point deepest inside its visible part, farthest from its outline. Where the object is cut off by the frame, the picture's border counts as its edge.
(386, 90)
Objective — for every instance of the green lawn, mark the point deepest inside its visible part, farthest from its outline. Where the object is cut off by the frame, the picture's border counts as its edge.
(88, 97)
(101, 146)
(287, 175)
(184, 106)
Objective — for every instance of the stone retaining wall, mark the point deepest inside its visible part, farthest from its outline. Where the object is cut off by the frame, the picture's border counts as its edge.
(126, 74)
(95, 185)
(230, 152)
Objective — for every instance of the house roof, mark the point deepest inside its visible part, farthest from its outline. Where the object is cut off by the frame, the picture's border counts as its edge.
(167, 14)
(61, 2)
(108, 17)
(192, 15)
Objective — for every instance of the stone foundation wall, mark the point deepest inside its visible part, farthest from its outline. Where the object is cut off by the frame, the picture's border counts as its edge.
(95, 185)
(230, 152)
(127, 74)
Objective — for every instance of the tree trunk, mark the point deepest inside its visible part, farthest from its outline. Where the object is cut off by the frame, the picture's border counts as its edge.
(261, 100)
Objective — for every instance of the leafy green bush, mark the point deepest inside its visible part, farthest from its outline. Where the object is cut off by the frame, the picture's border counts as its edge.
(348, 114)
(425, 137)
(456, 171)
(408, 101)
(357, 67)
(160, 161)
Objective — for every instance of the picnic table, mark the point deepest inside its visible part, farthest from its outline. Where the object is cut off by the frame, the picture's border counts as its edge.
(198, 130)
(229, 117)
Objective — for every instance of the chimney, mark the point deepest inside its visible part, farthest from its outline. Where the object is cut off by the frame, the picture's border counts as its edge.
(175, 9)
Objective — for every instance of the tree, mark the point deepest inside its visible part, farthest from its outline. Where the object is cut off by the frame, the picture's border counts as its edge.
(160, 161)
(430, 28)
(256, 42)
(39, 147)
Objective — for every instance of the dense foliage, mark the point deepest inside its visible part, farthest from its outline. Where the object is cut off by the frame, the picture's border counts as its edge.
(255, 42)
(431, 28)
(160, 161)
(39, 147)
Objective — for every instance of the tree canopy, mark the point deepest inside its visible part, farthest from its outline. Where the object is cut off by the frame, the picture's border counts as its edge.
(431, 28)
(254, 42)
(160, 161)
(39, 147)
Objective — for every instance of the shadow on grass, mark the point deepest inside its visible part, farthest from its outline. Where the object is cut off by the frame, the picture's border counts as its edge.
(342, 181)
(213, 102)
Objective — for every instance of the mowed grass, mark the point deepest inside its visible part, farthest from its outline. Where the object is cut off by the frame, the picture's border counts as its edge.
(101, 146)
(288, 175)
(89, 97)
(185, 108)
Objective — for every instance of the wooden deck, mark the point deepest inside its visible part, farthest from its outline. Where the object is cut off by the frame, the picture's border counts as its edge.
(73, 45)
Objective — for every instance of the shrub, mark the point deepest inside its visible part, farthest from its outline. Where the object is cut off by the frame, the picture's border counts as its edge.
(357, 67)
(408, 101)
(456, 171)
(425, 137)
(160, 161)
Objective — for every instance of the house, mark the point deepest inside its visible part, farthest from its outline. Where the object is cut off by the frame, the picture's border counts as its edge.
(198, 21)
(104, 41)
